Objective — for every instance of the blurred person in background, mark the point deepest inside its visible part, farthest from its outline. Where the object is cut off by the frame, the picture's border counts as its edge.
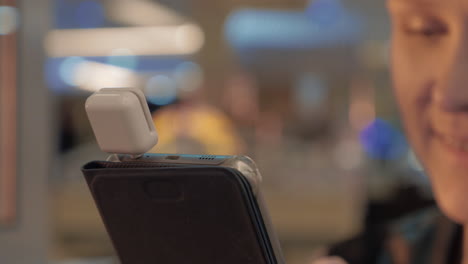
(192, 126)
(429, 69)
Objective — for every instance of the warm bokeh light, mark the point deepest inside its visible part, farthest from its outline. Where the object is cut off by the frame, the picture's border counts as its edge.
(93, 76)
(157, 40)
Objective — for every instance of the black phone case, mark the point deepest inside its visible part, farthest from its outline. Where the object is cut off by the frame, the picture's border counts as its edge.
(179, 214)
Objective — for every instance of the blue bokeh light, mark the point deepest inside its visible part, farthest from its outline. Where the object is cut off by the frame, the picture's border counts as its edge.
(145, 65)
(123, 58)
(68, 69)
(161, 90)
(383, 141)
(248, 29)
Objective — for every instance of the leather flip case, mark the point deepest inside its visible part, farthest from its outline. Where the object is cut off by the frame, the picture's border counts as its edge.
(175, 215)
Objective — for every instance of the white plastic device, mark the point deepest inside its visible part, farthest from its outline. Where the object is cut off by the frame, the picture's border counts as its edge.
(121, 121)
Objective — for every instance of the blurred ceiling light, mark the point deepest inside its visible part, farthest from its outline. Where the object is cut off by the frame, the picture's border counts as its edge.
(160, 40)
(277, 29)
(188, 36)
(93, 76)
(8, 20)
(142, 13)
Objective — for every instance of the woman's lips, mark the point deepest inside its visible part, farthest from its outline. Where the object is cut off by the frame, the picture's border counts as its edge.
(457, 146)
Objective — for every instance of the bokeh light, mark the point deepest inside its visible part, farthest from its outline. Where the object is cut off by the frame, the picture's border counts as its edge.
(383, 141)
(189, 38)
(248, 29)
(9, 20)
(69, 68)
(161, 90)
(92, 76)
(124, 58)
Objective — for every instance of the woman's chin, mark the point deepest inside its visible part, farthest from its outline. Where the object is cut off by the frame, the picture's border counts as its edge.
(449, 180)
(454, 204)
(455, 215)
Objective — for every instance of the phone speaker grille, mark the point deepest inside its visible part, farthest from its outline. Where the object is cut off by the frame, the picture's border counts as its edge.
(207, 157)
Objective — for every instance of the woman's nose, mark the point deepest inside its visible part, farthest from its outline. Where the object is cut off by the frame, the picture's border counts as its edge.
(451, 92)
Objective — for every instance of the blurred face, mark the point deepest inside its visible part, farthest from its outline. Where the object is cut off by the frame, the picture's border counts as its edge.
(430, 73)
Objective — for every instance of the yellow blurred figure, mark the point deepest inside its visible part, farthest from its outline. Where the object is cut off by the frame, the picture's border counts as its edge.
(195, 129)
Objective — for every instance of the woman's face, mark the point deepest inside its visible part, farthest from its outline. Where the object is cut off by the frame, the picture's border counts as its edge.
(430, 73)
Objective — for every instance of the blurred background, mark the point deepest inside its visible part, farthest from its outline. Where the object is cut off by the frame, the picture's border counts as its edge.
(300, 86)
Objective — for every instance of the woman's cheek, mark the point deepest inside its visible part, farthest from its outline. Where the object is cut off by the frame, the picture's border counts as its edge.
(412, 82)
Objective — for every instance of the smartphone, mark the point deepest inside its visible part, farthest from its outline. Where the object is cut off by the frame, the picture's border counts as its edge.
(173, 209)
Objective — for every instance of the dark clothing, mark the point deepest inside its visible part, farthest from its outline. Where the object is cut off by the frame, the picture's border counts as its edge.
(423, 237)
(426, 237)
